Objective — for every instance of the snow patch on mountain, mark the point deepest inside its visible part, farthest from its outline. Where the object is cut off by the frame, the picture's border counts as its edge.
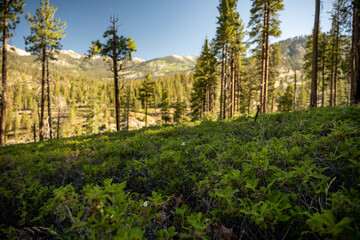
(137, 60)
(18, 51)
(178, 57)
(185, 58)
(71, 53)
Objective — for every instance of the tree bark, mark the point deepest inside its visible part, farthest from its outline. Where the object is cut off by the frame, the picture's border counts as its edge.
(146, 111)
(263, 63)
(273, 102)
(42, 101)
(249, 100)
(313, 96)
(333, 64)
(58, 124)
(355, 74)
(267, 57)
(295, 90)
(232, 92)
(48, 96)
(116, 81)
(4, 76)
(128, 111)
(34, 128)
(323, 83)
(225, 81)
(222, 82)
(238, 82)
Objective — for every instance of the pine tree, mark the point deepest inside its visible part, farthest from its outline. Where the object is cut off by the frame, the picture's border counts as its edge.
(146, 92)
(16, 125)
(323, 63)
(25, 121)
(313, 96)
(9, 17)
(345, 66)
(323, 57)
(287, 99)
(264, 22)
(165, 106)
(179, 110)
(229, 36)
(334, 51)
(45, 36)
(128, 103)
(119, 49)
(355, 53)
(204, 86)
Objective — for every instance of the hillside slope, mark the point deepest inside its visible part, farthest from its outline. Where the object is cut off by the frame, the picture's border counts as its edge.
(70, 62)
(289, 175)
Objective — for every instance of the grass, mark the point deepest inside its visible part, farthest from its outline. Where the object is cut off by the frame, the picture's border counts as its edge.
(289, 175)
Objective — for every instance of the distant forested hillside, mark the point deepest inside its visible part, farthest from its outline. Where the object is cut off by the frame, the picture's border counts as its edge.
(292, 52)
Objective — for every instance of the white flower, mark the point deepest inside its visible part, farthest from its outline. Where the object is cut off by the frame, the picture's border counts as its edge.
(183, 143)
(146, 203)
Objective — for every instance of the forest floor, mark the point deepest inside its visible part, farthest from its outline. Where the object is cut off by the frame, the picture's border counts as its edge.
(286, 176)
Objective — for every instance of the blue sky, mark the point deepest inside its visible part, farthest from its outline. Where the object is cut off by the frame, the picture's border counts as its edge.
(162, 27)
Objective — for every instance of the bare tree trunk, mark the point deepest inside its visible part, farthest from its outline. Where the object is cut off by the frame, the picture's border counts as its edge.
(237, 79)
(335, 78)
(249, 100)
(58, 124)
(4, 76)
(267, 57)
(116, 81)
(295, 91)
(222, 82)
(355, 74)
(313, 96)
(146, 111)
(208, 100)
(333, 66)
(232, 86)
(42, 101)
(48, 96)
(128, 111)
(34, 128)
(273, 102)
(348, 90)
(263, 64)
(323, 84)
(225, 81)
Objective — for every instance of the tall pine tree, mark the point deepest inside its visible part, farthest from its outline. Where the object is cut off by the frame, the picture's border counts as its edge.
(264, 23)
(146, 92)
(46, 33)
(228, 42)
(165, 106)
(334, 51)
(313, 95)
(9, 17)
(119, 49)
(355, 53)
(205, 79)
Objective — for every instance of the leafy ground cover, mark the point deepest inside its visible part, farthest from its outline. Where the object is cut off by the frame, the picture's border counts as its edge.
(287, 176)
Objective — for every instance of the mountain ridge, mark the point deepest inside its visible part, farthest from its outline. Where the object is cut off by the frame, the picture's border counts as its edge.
(137, 68)
(292, 52)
